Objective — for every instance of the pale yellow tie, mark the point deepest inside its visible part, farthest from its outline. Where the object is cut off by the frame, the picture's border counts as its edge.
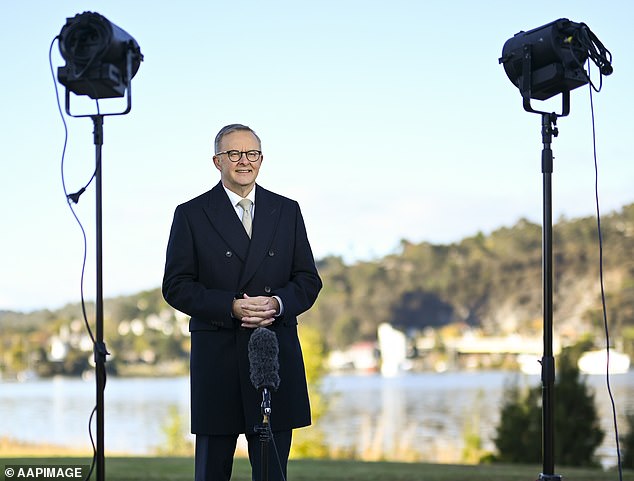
(246, 215)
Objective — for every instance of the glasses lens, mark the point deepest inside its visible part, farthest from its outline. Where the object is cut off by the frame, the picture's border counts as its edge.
(234, 155)
(253, 155)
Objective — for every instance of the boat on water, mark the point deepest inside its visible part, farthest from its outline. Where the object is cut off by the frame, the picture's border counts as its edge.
(596, 362)
(591, 362)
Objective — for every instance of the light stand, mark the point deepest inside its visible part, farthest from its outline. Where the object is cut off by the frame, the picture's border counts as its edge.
(548, 361)
(101, 60)
(542, 63)
(100, 351)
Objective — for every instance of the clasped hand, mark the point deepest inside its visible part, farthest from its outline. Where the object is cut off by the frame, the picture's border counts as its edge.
(256, 311)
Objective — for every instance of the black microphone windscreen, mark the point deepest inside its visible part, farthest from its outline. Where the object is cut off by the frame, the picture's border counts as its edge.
(263, 359)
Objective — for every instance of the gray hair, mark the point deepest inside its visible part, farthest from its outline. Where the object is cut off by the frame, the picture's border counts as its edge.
(227, 129)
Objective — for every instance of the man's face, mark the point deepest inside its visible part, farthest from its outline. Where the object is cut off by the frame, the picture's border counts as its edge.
(238, 177)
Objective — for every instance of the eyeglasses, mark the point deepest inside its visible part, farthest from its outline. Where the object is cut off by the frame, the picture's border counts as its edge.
(236, 155)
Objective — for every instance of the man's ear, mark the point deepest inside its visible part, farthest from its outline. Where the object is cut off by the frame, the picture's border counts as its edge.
(216, 160)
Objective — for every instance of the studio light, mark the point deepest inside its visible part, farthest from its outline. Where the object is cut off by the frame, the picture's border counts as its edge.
(550, 59)
(101, 58)
(542, 63)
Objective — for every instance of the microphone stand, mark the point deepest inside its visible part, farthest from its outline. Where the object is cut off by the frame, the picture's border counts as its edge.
(264, 430)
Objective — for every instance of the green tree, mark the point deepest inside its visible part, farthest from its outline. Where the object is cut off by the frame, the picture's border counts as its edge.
(518, 436)
(576, 422)
(310, 442)
(175, 442)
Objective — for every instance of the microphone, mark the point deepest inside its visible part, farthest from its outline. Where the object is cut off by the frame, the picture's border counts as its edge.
(263, 359)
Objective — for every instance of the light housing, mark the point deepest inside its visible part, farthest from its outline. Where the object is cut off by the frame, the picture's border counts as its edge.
(549, 60)
(101, 58)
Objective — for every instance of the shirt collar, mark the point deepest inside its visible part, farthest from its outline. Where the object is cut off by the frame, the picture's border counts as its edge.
(235, 198)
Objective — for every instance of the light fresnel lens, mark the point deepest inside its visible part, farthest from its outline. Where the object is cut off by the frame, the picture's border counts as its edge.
(101, 58)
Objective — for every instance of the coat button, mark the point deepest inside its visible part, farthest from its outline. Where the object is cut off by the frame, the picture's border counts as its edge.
(271, 253)
(228, 254)
(267, 289)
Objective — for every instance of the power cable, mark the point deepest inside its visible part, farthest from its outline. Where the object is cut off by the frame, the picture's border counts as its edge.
(70, 200)
(601, 278)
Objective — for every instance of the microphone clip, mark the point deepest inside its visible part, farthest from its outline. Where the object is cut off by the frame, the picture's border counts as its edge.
(266, 404)
(264, 429)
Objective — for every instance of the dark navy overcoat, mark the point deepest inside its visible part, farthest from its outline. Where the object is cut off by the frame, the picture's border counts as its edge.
(211, 261)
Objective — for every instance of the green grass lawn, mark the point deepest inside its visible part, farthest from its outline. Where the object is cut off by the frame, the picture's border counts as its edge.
(182, 469)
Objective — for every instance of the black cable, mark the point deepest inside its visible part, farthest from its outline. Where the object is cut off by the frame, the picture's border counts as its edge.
(277, 454)
(73, 198)
(70, 199)
(92, 441)
(603, 303)
(596, 51)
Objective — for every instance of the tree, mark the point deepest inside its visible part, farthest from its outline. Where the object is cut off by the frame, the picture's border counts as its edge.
(577, 424)
(174, 429)
(518, 436)
(577, 429)
(310, 442)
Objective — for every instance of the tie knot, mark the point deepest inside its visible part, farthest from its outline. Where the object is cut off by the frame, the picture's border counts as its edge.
(245, 204)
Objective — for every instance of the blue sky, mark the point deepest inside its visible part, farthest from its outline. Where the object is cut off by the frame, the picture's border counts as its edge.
(385, 120)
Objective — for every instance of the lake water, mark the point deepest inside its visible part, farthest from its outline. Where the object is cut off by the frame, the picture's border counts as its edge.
(418, 417)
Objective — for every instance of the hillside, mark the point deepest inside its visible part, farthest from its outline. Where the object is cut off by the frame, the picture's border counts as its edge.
(490, 281)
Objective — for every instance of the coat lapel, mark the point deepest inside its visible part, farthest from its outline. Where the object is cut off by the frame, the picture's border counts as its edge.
(223, 217)
(267, 214)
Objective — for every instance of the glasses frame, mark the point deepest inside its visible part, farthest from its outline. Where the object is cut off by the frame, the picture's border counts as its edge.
(243, 153)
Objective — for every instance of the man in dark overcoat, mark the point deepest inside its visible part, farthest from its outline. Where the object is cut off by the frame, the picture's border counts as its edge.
(238, 258)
